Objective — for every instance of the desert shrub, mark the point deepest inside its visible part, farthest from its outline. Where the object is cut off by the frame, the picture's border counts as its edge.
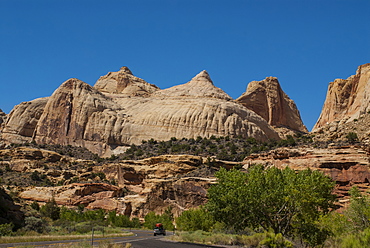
(35, 205)
(276, 240)
(352, 137)
(6, 229)
(35, 224)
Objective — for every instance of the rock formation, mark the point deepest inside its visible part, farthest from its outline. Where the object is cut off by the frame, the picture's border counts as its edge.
(152, 184)
(22, 121)
(124, 82)
(9, 211)
(121, 110)
(2, 118)
(346, 99)
(268, 100)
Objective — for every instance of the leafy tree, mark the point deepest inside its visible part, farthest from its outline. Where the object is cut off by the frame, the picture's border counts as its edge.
(51, 210)
(359, 209)
(151, 219)
(195, 219)
(282, 200)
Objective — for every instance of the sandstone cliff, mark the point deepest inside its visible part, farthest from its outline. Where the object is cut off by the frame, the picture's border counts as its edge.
(22, 120)
(121, 110)
(268, 100)
(346, 99)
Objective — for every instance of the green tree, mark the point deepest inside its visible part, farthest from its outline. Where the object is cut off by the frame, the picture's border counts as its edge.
(151, 219)
(51, 210)
(195, 219)
(282, 200)
(359, 209)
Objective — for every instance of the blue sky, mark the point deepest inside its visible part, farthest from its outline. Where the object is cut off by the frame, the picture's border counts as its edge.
(305, 44)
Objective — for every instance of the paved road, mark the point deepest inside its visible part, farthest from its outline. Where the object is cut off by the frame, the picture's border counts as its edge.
(141, 239)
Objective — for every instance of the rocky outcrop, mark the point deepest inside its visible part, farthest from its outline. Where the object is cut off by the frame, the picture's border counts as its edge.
(9, 211)
(76, 194)
(201, 86)
(124, 82)
(346, 99)
(22, 120)
(268, 100)
(152, 184)
(77, 114)
(107, 118)
(2, 118)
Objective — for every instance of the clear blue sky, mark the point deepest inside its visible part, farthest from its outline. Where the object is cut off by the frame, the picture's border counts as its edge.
(306, 44)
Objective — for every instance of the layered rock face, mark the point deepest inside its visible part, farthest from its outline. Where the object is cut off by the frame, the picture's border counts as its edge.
(347, 99)
(152, 184)
(122, 109)
(268, 100)
(22, 120)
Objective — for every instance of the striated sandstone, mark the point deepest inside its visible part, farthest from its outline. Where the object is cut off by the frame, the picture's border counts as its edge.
(268, 100)
(146, 185)
(346, 99)
(75, 194)
(22, 120)
(107, 121)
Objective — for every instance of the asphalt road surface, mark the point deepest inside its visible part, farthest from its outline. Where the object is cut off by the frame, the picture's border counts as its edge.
(141, 239)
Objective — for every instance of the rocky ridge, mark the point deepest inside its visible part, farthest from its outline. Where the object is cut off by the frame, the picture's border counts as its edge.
(140, 186)
(122, 109)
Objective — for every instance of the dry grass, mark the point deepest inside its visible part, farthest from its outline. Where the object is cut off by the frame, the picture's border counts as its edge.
(22, 239)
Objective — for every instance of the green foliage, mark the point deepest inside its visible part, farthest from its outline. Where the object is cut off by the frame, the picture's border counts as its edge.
(35, 205)
(357, 240)
(35, 224)
(281, 200)
(359, 210)
(352, 137)
(195, 219)
(6, 229)
(51, 210)
(276, 241)
(222, 148)
(151, 219)
(119, 220)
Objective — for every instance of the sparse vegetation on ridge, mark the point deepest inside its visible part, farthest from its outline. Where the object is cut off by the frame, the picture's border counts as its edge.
(222, 148)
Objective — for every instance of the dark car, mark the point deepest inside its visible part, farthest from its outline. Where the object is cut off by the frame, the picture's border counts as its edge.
(158, 229)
